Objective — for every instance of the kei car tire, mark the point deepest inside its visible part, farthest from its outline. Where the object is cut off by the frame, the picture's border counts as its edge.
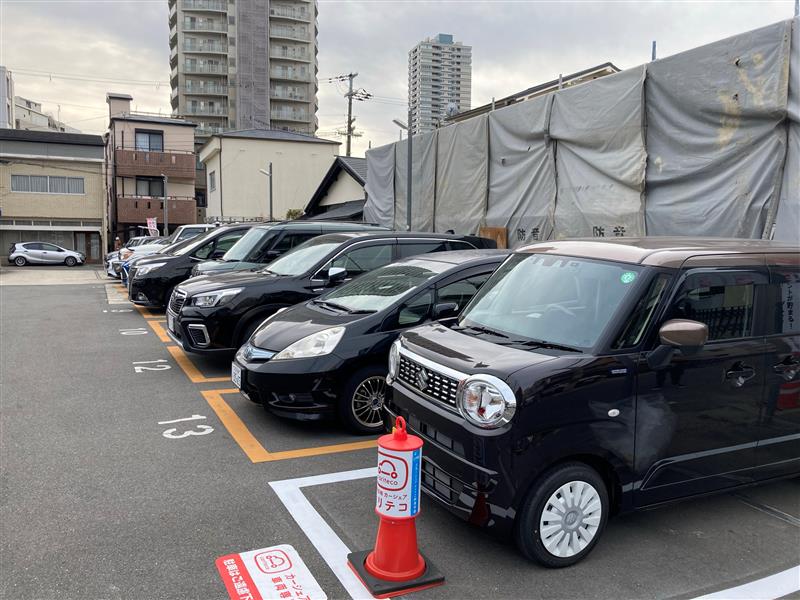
(361, 401)
(563, 515)
(70, 261)
(20, 261)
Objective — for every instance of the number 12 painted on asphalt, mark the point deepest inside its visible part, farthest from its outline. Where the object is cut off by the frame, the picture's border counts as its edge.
(139, 366)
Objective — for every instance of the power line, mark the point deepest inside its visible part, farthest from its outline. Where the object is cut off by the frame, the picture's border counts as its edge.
(69, 76)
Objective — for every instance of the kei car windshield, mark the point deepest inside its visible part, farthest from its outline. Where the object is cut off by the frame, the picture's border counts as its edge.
(251, 245)
(302, 259)
(548, 299)
(380, 288)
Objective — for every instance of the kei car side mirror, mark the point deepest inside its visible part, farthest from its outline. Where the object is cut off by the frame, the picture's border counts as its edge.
(683, 335)
(444, 310)
(336, 275)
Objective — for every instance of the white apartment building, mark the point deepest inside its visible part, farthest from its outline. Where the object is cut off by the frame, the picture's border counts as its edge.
(29, 115)
(242, 64)
(439, 81)
(6, 99)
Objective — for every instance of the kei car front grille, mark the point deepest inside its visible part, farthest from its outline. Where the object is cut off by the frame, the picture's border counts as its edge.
(427, 381)
(176, 301)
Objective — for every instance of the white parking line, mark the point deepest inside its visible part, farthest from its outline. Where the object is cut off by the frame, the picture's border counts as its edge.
(332, 549)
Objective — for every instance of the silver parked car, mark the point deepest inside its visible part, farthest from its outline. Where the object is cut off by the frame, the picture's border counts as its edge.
(43, 253)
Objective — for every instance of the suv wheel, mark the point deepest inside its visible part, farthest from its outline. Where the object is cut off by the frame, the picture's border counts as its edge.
(70, 261)
(20, 261)
(563, 515)
(362, 399)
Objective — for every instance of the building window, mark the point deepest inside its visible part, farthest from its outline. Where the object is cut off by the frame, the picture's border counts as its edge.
(212, 181)
(149, 141)
(44, 184)
(150, 186)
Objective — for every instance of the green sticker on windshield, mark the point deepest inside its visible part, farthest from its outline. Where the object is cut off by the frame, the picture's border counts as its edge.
(627, 277)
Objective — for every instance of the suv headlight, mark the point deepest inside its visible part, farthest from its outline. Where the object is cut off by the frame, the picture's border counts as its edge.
(317, 344)
(486, 401)
(145, 269)
(394, 362)
(216, 298)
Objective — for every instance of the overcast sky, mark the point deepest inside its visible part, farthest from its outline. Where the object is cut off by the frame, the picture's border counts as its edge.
(123, 46)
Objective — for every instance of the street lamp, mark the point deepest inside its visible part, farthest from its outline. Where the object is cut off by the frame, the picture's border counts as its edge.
(269, 174)
(166, 206)
(405, 126)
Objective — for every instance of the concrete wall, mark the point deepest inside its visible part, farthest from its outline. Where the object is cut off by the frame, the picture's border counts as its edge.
(344, 189)
(176, 137)
(242, 191)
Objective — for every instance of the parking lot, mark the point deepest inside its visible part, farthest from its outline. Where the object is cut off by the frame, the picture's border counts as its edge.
(129, 467)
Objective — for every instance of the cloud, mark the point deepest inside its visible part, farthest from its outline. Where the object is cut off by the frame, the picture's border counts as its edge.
(515, 45)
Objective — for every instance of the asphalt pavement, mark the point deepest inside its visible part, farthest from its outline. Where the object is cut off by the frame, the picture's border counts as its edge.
(128, 468)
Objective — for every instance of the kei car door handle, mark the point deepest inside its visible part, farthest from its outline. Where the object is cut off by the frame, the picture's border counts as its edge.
(788, 368)
(740, 373)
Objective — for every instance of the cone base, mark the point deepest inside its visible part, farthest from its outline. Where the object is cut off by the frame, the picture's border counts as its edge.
(381, 588)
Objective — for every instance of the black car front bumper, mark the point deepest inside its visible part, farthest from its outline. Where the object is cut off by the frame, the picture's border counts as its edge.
(304, 389)
(145, 291)
(463, 470)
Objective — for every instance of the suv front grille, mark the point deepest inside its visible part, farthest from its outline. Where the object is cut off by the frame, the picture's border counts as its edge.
(427, 381)
(176, 301)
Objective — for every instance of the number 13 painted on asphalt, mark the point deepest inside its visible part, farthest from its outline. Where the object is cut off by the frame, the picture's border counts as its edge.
(172, 434)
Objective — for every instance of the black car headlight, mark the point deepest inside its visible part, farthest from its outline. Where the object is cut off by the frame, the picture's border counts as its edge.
(486, 401)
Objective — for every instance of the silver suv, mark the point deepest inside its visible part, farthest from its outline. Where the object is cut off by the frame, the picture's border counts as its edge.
(43, 253)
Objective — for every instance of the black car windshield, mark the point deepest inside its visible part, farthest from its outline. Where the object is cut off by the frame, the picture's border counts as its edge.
(194, 243)
(303, 258)
(546, 299)
(380, 288)
(252, 245)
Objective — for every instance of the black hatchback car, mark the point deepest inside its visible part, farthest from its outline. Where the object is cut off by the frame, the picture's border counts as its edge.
(266, 242)
(153, 278)
(587, 378)
(219, 313)
(328, 355)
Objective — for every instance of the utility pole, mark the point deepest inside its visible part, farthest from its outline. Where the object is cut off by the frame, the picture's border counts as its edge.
(653, 51)
(268, 173)
(409, 188)
(166, 206)
(350, 120)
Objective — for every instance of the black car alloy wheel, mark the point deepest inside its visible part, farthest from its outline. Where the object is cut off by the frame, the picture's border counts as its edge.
(361, 403)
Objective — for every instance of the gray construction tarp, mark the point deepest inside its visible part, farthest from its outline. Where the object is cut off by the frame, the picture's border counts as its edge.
(522, 176)
(461, 176)
(716, 135)
(600, 156)
(379, 207)
(423, 169)
(787, 221)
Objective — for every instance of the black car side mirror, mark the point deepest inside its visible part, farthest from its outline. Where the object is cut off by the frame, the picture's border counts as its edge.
(336, 275)
(444, 310)
(217, 254)
(683, 335)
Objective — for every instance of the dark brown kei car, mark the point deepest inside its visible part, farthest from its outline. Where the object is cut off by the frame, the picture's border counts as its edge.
(588, 378)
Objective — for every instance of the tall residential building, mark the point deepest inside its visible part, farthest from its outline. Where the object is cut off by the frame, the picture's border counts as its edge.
(439, 81)
(6, 99)
(243, 64)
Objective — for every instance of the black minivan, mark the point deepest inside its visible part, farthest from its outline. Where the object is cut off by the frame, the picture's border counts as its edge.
(587, 378)
(216, 314)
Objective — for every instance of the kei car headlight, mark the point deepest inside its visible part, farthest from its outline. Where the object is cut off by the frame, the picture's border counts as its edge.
(486, 401)
(317, 344)
(216, 298)
(394, 362)
(145, 269)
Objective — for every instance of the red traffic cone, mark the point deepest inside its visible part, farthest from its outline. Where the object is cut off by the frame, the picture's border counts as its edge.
(396, 566)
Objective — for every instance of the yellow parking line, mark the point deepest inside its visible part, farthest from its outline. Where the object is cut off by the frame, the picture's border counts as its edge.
(155, 325)
(253, 448)
(194, 375)
(145, 312)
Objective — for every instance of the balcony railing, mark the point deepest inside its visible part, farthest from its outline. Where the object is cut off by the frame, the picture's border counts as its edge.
(205, 47)
(215, 26)
(131, 162)
(214, 111)
(287, 115)
(206, 90)
(214, 5)
(288, 95)
(210, 69)
(290, 54)
(207, 130)
(289, 13)
(289, 33)
(137, 209)
(289, 74)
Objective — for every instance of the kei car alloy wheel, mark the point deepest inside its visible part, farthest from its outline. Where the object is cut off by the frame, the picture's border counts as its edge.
(563, 515)
(362, 400)
(20, 261)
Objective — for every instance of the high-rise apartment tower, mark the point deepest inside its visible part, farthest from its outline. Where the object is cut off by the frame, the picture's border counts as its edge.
(439, 81)
(242, 64)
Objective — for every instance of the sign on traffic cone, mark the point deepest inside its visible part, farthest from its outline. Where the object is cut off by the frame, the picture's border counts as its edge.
(396, 566)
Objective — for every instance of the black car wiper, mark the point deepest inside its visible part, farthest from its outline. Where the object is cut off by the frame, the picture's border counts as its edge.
(332, 305)
(481, 329)
(546, 345)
